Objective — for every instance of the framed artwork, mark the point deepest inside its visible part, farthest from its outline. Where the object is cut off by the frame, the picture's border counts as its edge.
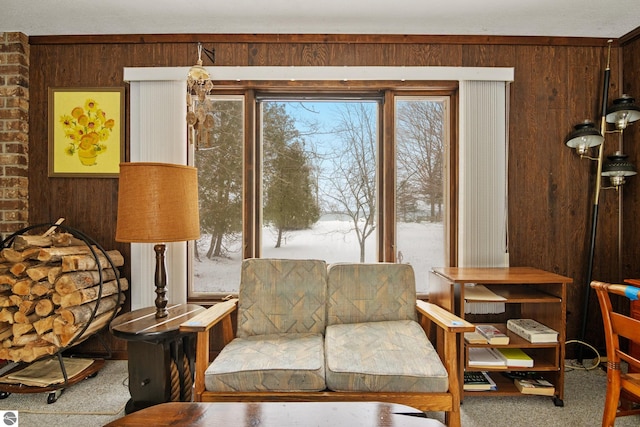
(86, 132)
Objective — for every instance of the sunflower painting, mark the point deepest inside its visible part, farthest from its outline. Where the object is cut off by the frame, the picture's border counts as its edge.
(85, 132)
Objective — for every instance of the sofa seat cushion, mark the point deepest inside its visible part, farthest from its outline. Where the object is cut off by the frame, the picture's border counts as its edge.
(277, 362)
(389, 356)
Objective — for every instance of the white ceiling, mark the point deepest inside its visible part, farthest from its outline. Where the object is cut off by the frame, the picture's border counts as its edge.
(571, 18)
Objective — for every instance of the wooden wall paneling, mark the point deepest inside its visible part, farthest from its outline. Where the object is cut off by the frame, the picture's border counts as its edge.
(525, 124)
(429, 55)
(479, 55)
(550, 101)
(314, 54)
(584, 76)
(88, 204)
(229, 54)
(263, 54)
(557, 85)
(341, 54)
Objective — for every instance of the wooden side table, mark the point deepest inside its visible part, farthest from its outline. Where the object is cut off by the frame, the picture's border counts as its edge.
(161, 358)
(527, 293)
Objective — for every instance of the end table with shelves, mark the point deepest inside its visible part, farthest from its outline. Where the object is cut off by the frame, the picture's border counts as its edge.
(161, 357)
(528, 293)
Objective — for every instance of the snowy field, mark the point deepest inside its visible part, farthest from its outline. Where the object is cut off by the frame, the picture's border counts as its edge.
(330, 240)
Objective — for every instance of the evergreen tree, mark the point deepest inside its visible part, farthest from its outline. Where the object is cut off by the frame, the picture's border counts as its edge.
(220, 177)
(289, 198)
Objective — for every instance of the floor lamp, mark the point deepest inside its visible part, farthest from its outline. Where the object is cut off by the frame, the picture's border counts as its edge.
(158, 203)
(584, 137)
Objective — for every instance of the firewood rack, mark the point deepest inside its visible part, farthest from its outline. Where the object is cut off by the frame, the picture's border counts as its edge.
(55, 390)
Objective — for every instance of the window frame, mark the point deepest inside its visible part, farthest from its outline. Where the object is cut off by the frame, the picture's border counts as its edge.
(386, 232)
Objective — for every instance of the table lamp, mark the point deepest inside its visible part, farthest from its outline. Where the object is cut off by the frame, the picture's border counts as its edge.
(158, 203)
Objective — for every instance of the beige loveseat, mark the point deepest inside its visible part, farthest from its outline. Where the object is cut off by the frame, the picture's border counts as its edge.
(344, 332)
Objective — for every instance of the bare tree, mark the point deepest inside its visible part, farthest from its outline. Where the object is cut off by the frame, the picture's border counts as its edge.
(420, 148)
(351, 179)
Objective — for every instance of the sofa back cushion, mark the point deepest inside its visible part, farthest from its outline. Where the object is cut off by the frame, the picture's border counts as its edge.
(281, 296)
(370, 293)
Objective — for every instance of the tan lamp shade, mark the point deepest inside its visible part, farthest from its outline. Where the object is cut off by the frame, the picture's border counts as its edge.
(157, 203)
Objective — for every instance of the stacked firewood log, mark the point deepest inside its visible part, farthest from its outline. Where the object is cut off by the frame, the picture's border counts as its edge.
(51, 295)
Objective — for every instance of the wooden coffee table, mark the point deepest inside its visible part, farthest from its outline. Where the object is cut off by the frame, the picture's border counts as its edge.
(277, 414)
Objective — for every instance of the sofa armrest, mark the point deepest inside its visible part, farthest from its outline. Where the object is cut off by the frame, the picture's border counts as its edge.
(446, 338)
(210, 317)
(443, 318)
(202, 324)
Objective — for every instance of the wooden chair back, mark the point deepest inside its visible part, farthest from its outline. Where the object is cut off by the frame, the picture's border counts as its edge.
(623, 389)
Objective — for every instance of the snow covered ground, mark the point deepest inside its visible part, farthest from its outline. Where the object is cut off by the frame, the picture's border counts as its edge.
(330, 239)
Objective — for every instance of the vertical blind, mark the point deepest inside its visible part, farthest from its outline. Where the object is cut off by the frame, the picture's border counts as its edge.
(482, 222)
(158, 134)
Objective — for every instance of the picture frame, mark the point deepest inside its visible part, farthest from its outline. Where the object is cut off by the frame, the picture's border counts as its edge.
(86, 132)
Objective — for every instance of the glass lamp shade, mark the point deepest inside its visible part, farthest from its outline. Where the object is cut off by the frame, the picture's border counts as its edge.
(617, 168)
(157, 203)
(623, 111)
(584, 136)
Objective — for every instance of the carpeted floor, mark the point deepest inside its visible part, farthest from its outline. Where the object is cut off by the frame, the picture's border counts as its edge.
(99, 400)
(91, 402)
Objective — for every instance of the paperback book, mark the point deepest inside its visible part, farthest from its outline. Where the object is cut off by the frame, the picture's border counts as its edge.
(493, 335)
(515, 358)
(535, 384)
(532, 330)
(474, 338)
(485, 357)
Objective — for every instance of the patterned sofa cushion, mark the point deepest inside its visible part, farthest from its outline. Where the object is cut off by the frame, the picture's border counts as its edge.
(280, 295)
(370, 293)
(389, 356)
(279, 362)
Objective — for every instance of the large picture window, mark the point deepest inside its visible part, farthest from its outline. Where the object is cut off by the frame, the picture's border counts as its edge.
(319, 192)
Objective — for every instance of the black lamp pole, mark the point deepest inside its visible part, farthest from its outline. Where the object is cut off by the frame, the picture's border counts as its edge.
(596, 201)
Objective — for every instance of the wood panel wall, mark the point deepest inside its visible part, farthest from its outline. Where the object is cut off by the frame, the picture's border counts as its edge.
(557, 84)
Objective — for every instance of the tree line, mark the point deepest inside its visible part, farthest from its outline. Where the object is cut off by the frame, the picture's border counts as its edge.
(301, 181)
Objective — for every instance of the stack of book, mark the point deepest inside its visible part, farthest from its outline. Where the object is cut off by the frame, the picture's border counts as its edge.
(486, 357)
(481, 300)
(532, 330)
(478, 381)
(493, 335)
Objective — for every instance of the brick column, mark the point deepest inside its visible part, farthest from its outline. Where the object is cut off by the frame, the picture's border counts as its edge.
(14, 132)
